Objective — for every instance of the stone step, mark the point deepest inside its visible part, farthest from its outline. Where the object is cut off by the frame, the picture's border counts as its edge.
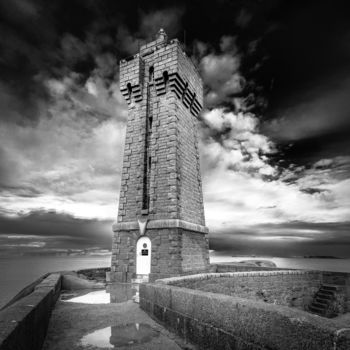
(329, 287)
(325, 294)
(319, 305)
(322, 301)
(316, 310)
(320, 308)
(327, 291)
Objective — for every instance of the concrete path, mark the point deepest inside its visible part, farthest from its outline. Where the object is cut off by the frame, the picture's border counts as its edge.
(102, 325)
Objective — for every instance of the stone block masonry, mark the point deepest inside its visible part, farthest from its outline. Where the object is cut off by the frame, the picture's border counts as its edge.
(161, 181)
(175, 187)
(289, 288)
(217, 321)
(175, 251)
(23, 324)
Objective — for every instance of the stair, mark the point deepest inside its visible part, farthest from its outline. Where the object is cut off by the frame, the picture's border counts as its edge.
(136, 283)
(323, 299)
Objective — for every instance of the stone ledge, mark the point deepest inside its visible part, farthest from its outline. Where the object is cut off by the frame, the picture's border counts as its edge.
(155, 224)
(202, 276)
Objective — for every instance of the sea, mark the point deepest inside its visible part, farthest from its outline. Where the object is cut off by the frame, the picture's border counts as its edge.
(16, 272)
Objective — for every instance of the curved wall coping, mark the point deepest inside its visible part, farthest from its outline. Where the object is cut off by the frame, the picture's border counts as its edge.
(203, 276)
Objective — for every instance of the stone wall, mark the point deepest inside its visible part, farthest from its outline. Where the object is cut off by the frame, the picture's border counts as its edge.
(189, 176)
(341, 279)
(174, 251)
(23, 324)
(25, 291)
(216, 321)
(289, 288)
(194, 251)
(172, 103)
(236, 267)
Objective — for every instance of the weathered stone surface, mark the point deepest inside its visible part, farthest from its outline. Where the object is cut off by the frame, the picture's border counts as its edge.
(289, 288)
(161, 173)
(23, 324)
(216, 321)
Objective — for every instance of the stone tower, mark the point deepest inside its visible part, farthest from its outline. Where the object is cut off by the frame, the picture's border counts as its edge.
(160, 231)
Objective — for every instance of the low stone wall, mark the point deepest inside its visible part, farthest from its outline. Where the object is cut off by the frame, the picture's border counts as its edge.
(289, 288)
(341, 279)
(217, 321)
(23, 324)
(25, 291)
(236, 267)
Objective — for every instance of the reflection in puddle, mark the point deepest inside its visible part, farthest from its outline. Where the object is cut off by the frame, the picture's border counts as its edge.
(122, 292)
(124, 335)
(97, 297)
(115, 293)
(99, 338)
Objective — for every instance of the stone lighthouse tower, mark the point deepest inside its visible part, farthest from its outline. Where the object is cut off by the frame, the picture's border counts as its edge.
(160, 231)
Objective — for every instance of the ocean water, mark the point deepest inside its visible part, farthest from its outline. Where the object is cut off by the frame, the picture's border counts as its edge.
(18, 272)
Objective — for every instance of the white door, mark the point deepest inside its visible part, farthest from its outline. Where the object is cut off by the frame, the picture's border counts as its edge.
(143, 256)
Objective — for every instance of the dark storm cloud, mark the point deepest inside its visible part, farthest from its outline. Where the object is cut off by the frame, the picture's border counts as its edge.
(50, 230)
(276, 72)
(41, 41)
(287, 239)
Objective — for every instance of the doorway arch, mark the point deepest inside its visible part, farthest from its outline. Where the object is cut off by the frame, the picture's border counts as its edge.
(143, 256)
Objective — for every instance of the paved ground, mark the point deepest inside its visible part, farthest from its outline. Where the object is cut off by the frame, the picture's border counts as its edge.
(120, 325)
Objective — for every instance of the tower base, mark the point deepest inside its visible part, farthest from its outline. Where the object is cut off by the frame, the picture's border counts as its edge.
(175, 251)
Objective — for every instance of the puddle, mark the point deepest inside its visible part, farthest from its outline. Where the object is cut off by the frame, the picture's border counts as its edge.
(122, 292)
(117, 336)
(97, 297)
(114, 293)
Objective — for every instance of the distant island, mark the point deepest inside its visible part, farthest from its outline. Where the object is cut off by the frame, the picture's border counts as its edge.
(321, 257)
(259, 263)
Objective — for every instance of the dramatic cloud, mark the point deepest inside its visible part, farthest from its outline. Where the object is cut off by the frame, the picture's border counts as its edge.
(71, 156)
(245, 193)
(274, 132)
(221, 73)
(52, 232)
(288, 239)
(322, 110)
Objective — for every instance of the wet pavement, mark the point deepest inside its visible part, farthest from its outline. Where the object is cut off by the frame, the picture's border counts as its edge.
(118, 336)
(114, 293)
(106, 319)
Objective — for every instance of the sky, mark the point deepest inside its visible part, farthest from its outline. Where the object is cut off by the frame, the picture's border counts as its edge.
(274, 131)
